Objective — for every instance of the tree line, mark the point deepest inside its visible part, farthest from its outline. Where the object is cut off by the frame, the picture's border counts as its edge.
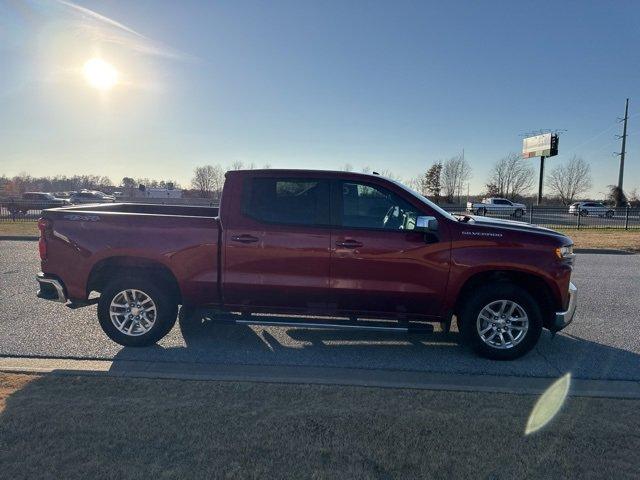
(445, 181)
(24, 182)
(511, 177)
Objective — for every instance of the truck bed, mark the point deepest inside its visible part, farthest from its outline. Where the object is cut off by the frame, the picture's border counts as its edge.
(181, 239)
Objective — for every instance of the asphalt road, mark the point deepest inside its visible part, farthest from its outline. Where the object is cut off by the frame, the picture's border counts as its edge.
(602, 343)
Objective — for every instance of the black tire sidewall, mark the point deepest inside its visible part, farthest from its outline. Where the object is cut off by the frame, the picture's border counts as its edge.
(166, 305)
(484, 296)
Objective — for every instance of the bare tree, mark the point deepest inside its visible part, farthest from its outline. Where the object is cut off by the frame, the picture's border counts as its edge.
(616, 196)
(237, 165)
(570, 180)
(455, 172)
(208, 179)
(347, 167)
(512, 176)
(492, 190)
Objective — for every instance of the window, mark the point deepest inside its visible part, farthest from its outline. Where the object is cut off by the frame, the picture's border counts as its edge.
(368, 206)
(294, 201)
(501, 202)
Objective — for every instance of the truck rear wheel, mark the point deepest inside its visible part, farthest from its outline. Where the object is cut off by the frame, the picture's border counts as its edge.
(501, 321)
(136, 312)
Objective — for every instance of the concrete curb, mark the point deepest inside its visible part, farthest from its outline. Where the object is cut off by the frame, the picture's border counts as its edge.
(28, 238)
(318, 376)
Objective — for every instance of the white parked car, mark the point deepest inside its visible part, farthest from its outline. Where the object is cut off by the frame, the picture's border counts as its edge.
(591, 208)
(497, 205)
(91, 196)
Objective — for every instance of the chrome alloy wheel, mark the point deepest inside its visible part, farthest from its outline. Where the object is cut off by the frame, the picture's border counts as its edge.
(502, 324)
(133, 312)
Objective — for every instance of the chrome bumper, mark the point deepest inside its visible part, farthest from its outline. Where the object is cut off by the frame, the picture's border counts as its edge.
(50, 289)
(562, 319)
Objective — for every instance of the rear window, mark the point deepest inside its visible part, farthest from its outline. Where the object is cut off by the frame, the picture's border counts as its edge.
(292, 201)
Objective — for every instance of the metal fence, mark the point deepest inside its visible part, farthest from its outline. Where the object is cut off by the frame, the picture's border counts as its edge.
(560, 217)
(548, 216)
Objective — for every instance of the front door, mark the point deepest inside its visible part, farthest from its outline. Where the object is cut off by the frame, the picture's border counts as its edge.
(277, 245)
(379, 264)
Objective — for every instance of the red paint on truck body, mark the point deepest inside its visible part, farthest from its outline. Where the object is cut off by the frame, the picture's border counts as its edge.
(234, 261)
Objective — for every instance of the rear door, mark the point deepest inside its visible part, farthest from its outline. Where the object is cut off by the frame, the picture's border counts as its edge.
(379, 263)
(276, 241)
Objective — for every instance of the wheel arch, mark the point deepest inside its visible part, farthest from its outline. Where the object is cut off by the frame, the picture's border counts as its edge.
(535, 285)
(104, 270)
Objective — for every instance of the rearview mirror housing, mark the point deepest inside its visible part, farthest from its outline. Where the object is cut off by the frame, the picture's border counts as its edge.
(426, 223)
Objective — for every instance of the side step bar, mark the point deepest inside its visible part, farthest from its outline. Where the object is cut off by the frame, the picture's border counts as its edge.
(342, 325)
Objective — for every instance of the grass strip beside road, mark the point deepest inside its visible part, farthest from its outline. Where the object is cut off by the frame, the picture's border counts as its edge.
(79, 427)
(610, 238)
(19, 229)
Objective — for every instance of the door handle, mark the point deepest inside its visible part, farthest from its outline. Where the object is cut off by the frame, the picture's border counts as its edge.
(244, 238)
(349, 244)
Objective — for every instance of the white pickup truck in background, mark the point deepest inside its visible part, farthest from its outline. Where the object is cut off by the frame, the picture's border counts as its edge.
(498, 206)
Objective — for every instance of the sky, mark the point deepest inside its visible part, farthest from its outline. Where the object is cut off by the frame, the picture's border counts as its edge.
(393, 85)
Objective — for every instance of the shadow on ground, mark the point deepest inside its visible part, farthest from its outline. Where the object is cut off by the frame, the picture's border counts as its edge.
(219, 341)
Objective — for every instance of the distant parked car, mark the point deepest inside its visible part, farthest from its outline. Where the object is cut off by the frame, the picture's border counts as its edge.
(591, 208)
(33, 201)
(91, 196)
(497, 205)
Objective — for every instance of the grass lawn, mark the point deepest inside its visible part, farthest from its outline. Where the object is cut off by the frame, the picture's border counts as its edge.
(26, 228)
(106, 427)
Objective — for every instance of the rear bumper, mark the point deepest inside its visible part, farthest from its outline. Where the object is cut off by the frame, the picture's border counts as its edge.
(562, 319)
(51, 288)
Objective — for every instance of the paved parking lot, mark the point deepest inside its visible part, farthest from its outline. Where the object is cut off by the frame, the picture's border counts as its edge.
(602, 343)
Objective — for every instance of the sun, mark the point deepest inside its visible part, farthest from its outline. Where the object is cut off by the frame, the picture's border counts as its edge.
(100, 74)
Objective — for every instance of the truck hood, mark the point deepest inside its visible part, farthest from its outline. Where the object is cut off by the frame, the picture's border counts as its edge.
(513, 225)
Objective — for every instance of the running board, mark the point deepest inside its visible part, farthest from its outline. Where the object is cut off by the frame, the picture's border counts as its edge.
(370, 326)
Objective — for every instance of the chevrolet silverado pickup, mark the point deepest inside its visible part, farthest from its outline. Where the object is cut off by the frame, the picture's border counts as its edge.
(364, 250)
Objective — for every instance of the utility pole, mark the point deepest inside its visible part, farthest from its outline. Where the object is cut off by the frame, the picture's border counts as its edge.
(624, 145)
(540, 181)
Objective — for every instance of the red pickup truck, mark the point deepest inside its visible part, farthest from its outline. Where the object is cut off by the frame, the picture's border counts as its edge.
(312, 243)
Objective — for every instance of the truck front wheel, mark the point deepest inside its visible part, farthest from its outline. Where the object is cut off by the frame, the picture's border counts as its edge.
(500, 321)
(136, 312)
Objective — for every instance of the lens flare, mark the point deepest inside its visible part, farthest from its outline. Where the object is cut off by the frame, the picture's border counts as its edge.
(549, 404)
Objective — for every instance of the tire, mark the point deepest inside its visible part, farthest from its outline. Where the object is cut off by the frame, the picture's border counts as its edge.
(518, 213)
(482, 211)
(158, 321)
(493, 295)
(609, 214)
(584, 213)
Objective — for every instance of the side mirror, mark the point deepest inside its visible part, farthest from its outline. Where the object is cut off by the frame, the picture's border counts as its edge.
(427, 224)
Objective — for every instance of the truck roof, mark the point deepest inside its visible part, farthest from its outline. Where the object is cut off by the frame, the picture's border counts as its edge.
(305, 173)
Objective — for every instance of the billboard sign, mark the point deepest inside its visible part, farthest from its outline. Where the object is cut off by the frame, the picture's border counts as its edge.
(545, 145)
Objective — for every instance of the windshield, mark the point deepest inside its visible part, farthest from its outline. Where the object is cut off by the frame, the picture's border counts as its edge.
(424, 199)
